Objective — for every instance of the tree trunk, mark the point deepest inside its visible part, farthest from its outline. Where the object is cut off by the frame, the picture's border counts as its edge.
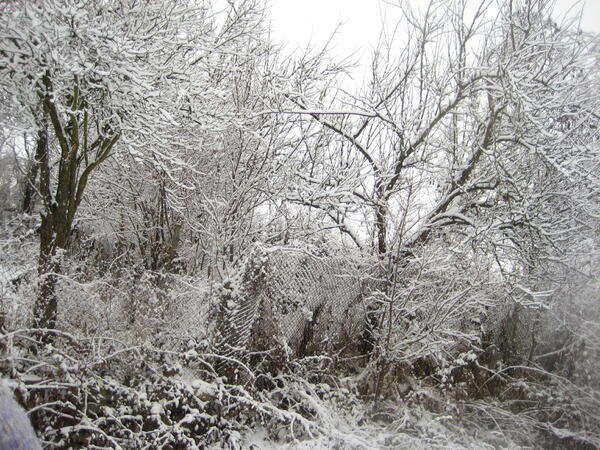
(381, 218)
(381, 223)
(46, 305)
(54, 232)
(29, 190)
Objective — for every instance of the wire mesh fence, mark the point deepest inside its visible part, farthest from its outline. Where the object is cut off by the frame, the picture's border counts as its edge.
(294, 298)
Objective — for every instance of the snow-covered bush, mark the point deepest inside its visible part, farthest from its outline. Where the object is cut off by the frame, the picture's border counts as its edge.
(18, 269)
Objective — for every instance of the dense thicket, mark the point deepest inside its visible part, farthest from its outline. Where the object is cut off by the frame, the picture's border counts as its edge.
(208, 241)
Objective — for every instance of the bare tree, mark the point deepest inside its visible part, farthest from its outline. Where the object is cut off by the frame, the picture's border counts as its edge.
(88, 77)
(471, 138)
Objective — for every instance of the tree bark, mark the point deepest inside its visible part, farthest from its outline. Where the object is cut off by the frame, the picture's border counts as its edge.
(29, 190)
(45, 308)
(46, 304)
(381, 223)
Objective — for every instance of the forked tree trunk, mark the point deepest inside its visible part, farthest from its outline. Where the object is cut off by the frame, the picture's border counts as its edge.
(78, 158)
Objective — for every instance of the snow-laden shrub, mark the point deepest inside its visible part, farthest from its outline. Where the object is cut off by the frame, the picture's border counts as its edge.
(100, 392)
(18, 269)
(135, 305)
(103, 393)
(438, 316)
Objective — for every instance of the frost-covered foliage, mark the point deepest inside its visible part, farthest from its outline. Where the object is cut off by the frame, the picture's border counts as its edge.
(101, 392)
(123, 373)
(18, 250)
(206, 242)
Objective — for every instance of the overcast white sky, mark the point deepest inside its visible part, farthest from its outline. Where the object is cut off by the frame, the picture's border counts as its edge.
(297, 22)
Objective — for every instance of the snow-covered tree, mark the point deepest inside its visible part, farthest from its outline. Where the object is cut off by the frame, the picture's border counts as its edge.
(91, 79)
(476, 136)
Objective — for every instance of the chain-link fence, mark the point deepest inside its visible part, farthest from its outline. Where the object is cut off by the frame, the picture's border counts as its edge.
(300, 301)
(295, 298)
